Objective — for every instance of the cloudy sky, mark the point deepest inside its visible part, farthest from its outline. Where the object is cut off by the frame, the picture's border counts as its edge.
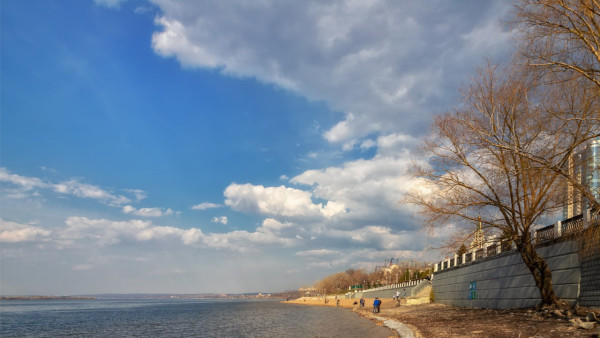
(221, 146)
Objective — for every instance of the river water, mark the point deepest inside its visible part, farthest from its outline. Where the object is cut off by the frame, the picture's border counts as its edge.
(179, 318)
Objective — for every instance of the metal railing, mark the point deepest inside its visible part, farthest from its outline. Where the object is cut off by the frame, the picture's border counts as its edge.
(492, 250)
(572, 225)
(397, 286)
(547, 233)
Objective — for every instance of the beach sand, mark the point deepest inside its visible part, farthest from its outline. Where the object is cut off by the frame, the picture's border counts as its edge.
(345, 303)
(400, 328)
(438, 320)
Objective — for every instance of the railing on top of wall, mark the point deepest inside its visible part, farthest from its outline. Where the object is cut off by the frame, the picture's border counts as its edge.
(397, 286)
(572, 224)
(550, 232)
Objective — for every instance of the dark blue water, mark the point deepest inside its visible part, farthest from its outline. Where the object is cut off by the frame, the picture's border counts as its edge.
(179, 318)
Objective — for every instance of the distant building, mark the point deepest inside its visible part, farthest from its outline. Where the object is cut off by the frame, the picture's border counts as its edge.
(478, 238)
(584, 166)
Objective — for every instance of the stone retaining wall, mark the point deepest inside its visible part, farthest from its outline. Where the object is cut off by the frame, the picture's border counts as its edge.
(503, 281)
(590, 270)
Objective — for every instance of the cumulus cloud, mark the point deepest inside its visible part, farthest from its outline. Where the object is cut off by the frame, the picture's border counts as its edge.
(242, 240)
(205, 206)
(270, 225)
(371, 190)
(86, 232)
(223, 220)
(13, 232)
(148, 212)
(278, 201)
(388, 66)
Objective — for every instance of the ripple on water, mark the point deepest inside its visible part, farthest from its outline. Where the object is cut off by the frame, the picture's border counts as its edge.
(177, 318)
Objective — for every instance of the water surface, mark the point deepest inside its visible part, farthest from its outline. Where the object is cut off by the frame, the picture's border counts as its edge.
(179, 318)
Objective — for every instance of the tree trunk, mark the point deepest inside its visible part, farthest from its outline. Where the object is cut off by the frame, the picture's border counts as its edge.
(539, 269)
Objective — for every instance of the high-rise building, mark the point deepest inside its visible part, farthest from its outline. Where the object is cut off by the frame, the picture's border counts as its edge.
(584, 166)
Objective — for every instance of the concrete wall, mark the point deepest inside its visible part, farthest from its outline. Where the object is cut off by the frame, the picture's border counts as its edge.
(389, 292)
(503, 281)
(590, 270)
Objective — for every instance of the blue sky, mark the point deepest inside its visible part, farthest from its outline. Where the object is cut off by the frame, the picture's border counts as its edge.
(183, 146)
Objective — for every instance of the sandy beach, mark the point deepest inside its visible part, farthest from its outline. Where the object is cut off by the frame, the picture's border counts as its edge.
(438, 320)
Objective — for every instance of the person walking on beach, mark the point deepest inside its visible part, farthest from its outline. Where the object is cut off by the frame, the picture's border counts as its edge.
(376, 305)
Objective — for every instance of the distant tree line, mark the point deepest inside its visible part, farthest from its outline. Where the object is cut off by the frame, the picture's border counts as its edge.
(359, 279)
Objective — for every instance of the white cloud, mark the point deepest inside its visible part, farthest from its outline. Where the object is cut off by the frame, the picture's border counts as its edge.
(223, 220)
(370, 189)
(148, 212)
(317, 252)
(278, 201)
(26, 183)
(367, 144)
(83, 232)
(205, 206)
(387, 66)
(271, 225)
(12, 232)
(139, 194)
(84, 190)
(241, 240)
(25, 186)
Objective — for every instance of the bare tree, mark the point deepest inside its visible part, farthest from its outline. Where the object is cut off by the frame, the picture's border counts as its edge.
(561, 41)
(561, 36)
(470, 177)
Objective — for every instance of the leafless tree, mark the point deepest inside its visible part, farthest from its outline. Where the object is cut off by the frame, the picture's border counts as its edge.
(561, 41)
(561, 36)
(471, 177)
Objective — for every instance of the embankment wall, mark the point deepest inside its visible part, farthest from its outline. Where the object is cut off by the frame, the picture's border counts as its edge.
(503, 281)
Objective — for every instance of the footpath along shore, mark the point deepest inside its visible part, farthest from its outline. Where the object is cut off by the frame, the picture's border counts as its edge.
(438, 320)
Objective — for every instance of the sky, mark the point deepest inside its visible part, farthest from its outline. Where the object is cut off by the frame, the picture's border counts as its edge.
(169, 146)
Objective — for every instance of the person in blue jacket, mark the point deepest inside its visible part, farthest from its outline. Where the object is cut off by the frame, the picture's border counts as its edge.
(376, 305)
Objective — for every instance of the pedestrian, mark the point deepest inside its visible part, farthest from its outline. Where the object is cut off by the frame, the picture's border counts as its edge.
(376, 305)
(337, 303)
(404, 295)
(362, 302)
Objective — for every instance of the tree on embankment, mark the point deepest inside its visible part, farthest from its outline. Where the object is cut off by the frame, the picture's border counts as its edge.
(560, 41)
(506, 153)
(470, 180)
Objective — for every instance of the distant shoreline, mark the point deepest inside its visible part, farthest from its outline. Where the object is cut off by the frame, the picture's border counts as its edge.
(206, 296)
(44, 298)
